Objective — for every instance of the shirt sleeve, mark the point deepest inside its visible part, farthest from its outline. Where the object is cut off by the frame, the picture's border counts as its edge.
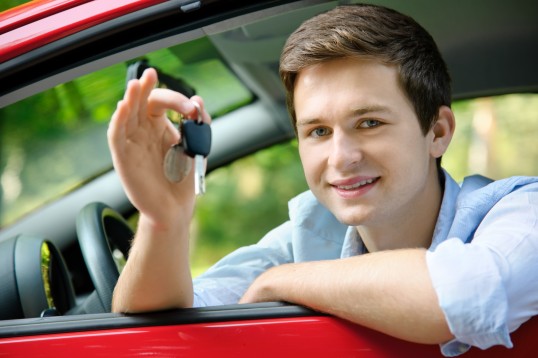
(489, 287)
(227, 281)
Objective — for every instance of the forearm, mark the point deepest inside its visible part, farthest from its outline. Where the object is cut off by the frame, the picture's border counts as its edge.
(157, 274)
(387, 291)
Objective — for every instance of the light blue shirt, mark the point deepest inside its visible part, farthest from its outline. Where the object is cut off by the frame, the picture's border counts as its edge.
(483, 260)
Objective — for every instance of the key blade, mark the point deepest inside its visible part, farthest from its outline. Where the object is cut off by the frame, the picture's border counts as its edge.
(199, 175)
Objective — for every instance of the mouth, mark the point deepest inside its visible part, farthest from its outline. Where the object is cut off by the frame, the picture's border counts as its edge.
(356, 186)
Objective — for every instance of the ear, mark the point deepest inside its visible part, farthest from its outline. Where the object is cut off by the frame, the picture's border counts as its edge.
(442, 132)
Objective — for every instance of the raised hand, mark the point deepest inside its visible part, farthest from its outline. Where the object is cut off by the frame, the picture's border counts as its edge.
(139, 136)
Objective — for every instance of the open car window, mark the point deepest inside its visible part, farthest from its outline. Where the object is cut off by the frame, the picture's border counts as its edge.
(56, 140)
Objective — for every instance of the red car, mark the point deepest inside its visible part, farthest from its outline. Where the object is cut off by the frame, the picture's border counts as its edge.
(63, 66)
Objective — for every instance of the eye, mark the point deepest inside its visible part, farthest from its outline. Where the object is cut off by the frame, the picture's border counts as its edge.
(370, 123)
(319, 132)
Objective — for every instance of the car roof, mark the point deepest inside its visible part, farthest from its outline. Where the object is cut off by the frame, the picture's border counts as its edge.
(37, 23)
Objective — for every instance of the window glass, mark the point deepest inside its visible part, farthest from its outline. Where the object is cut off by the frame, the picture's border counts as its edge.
(56, 140)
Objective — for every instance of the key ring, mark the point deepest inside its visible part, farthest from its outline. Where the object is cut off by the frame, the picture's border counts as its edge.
(199, 120)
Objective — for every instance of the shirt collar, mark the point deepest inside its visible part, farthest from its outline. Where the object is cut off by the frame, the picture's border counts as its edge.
(447, 211)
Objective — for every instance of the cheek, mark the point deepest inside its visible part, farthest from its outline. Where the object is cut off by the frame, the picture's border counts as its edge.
(396, 157)
(310, 161)
(414, 158)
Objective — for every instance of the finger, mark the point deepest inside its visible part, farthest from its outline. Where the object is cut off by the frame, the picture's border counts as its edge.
(126, 112)
(205, 116)
(148, 81)
(162, 99)
(124, 116)
(116, 134)
(115, 127)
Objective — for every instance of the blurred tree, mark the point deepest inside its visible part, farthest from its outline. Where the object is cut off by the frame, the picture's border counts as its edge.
(506, 126)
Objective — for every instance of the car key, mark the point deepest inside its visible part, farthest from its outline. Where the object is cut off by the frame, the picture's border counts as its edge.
(196, 141)
(195, 138)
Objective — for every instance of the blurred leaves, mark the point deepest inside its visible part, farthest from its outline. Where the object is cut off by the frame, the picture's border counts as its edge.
(56, 140)
(495, 137)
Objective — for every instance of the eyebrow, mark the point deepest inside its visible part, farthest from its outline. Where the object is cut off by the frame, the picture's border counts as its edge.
(371, 109)
(355, 112)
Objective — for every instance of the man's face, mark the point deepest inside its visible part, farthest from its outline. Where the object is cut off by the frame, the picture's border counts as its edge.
(363, 152)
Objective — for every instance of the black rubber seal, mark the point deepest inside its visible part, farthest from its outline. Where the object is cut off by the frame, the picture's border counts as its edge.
(105, 321)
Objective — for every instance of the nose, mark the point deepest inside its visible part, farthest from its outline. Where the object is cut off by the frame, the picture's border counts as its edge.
(345, 151)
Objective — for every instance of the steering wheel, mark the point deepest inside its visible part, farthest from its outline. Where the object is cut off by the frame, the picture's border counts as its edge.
(99, 230)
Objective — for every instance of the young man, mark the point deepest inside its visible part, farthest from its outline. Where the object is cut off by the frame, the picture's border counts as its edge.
(384, 238)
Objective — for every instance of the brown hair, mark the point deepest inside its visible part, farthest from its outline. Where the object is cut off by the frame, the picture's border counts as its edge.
(376, 32)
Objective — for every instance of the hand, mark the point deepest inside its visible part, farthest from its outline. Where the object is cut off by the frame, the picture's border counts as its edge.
(139, 136)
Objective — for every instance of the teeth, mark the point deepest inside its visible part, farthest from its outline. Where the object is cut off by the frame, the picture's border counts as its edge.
(356, 185)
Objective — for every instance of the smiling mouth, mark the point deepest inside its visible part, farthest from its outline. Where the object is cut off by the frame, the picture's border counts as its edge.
(356, 185)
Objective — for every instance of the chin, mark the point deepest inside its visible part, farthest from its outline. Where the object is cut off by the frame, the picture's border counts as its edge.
(351, 218)
(346, 213)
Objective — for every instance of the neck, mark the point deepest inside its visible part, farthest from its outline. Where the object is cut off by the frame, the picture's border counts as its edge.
(414, 228)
